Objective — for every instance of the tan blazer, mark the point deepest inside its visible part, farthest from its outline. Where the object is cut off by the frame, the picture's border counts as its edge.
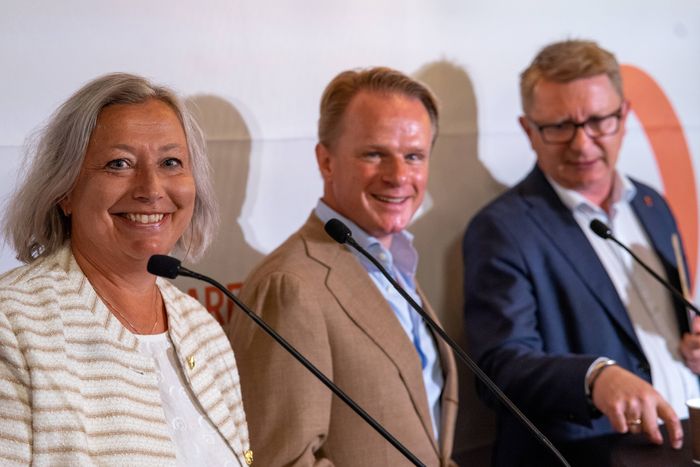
(315, 293)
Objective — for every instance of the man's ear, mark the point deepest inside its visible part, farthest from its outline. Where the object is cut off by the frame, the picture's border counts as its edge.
(624, 111)
(525, 125)
(527, 128)
(323, 159)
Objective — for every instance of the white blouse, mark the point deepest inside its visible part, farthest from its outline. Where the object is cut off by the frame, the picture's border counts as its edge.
(197, 442)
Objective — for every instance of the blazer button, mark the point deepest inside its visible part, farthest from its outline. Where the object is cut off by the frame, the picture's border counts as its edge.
(191, 362)
(248, 454)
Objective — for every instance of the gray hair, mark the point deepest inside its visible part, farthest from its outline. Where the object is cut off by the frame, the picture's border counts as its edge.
(35, 225)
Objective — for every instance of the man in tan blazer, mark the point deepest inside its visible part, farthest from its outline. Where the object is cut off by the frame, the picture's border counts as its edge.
(376, 132)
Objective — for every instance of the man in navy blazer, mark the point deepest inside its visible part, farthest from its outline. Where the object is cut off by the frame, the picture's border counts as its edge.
(585, 342)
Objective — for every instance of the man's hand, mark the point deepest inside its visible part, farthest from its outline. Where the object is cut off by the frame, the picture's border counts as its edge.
(633, 405)
(690, 346)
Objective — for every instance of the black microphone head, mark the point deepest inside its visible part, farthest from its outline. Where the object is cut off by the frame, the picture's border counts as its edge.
(600, 229)
(164, 266)
(338, 231)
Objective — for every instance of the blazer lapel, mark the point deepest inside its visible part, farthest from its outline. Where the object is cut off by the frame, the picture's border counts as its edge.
(449, 397)
(557, 224)
(355, 292)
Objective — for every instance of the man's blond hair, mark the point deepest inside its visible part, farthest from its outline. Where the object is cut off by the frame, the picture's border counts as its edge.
(567, 61)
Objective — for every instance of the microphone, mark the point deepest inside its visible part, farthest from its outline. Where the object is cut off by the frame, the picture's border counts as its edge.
(340, 232)
(604, 232)
(601, 229)
(169, 267)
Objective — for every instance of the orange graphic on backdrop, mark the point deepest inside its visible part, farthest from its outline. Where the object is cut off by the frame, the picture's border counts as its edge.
(668, 143)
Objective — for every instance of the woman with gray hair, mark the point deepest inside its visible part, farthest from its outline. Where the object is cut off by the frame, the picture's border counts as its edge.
(101, 362)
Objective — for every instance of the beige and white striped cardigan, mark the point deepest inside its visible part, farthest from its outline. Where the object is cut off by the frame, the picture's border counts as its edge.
(74, 390)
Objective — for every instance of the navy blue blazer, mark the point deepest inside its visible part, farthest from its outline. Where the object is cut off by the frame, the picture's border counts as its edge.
(540, 308)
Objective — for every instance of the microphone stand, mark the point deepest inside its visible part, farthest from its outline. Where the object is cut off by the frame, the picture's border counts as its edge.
(174, 269)
(343, 235)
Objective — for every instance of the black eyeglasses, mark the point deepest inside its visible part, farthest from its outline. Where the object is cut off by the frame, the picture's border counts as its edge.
(594, 127)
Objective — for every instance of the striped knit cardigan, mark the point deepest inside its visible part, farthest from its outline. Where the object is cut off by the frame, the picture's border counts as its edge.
(74, 390)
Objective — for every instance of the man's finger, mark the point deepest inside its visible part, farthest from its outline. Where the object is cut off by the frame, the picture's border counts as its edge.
(673, 425)
(618, 421)
(691, 341)
(695, 325)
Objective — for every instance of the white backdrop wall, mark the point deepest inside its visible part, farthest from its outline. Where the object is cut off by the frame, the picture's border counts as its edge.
(254, 71)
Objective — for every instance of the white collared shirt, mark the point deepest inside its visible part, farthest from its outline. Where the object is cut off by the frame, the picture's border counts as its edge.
(648, 303)
(401, 260)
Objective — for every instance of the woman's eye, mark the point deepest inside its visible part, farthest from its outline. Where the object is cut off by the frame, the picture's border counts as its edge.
(172, 162)
(118, 164)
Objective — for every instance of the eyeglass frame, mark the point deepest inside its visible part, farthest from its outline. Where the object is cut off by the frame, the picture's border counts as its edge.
(618, 114)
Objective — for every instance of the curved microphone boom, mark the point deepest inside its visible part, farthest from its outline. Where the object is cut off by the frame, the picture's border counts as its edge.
(339, 232)
(169, 267)
(604, 232)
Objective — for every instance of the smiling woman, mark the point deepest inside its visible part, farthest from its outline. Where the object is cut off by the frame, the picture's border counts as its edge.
(100, 362)
(134, 195)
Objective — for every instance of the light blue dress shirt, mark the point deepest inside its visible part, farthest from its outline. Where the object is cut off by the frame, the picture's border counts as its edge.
(401, 261)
